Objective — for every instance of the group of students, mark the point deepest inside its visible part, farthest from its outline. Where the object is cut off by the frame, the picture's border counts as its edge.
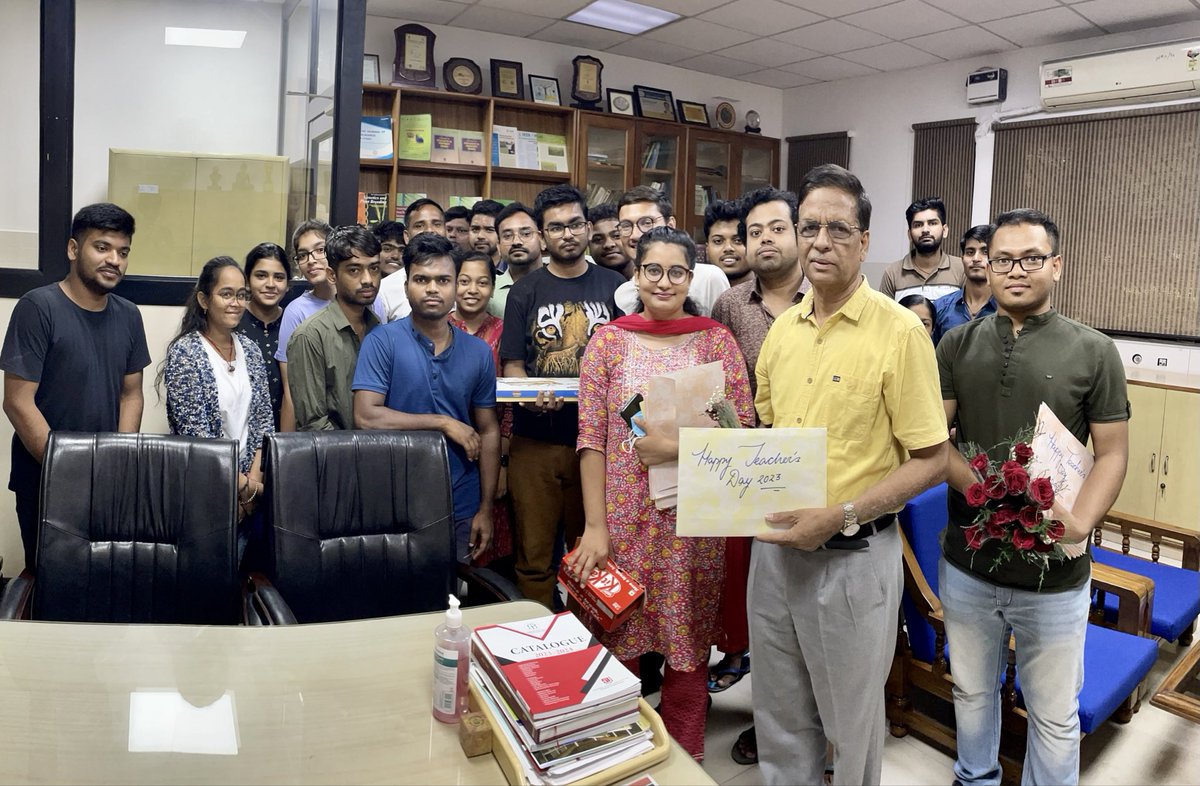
(407, 325)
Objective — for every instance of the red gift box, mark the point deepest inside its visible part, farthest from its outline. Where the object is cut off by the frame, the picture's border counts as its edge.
(610, 595)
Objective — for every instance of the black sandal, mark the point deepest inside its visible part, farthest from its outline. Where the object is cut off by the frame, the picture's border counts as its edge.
(745, 748)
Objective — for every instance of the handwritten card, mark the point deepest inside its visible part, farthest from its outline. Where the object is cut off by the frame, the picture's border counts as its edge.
(729, 479)
(1058, 455)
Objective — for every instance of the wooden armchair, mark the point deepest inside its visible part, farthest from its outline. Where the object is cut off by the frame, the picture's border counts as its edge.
(1116, 662)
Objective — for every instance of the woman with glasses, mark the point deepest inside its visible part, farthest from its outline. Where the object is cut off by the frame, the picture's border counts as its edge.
(216, 380)
(682, 576)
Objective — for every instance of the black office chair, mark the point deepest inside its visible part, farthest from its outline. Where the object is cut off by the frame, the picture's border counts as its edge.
(135, 528)
(359, 524)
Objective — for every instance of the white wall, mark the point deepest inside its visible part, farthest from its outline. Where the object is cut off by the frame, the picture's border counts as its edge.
(548, 59)
(880, 110)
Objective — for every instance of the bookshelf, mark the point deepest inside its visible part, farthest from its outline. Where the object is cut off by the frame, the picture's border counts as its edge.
(721, 165)
(659, 159)
(605, 156)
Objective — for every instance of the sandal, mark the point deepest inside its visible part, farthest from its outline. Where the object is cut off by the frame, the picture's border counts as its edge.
(724, 670)
(745, 748)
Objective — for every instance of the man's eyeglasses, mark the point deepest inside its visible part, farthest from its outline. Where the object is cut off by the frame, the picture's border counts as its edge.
(557, 230)
(646, 223)
(509, 236)
(838, 230)
(305, 258)
(675, 273)
(1028, 264)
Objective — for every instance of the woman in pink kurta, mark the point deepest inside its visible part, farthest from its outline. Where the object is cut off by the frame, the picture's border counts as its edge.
(682, 576)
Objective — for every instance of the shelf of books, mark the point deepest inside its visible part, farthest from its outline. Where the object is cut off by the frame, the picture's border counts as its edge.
(606, 148)
(658, 160)
(533, 145)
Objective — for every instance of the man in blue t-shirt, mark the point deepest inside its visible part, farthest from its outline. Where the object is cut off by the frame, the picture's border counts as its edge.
(419, 372)
(73, 356)
(974, 300)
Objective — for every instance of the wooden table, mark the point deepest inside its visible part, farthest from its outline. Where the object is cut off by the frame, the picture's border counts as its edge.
(1179, 693)
(336, 703)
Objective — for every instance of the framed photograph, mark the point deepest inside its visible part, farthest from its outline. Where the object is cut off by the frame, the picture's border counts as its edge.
(726, 116)
(508, 79)
(654, 103)
(544, 90)
(370, 69)
(620, 102)
(414, 56)
(692, 113)
(461, 75)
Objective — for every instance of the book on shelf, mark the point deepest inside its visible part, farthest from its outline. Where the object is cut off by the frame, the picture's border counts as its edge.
(598, 195)
(372, 208)
(527, 150)
(445, 146)
(415, 137)
(552, 153)
(404, 199)
(504, 146)
(375, 141)
(470, 148)
(464, 201)
(650, 160)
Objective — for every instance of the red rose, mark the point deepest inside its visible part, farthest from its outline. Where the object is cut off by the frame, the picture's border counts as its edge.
(975, 538)
(1004, 515)
(975, 495)
(1041, 546)
(980, 463)
(1029, 517)
(993, 527)
(1041, 492)
(994, 487)
(1015, 477)
(1022, 453)
(1055, 531)
(1022, 540)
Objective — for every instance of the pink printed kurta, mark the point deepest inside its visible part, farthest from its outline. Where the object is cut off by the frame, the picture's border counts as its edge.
(682, 576)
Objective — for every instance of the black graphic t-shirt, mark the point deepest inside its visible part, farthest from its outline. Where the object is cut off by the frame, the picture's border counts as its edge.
(547, 323)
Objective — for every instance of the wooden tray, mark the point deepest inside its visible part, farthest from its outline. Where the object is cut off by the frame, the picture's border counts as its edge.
(510, 761)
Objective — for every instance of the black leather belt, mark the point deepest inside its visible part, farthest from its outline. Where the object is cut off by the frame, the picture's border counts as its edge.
(859, 539)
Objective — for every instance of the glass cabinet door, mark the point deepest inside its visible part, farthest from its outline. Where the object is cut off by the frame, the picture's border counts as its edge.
(710, 176)
(756, 169)
(606, 163)
(658, 159)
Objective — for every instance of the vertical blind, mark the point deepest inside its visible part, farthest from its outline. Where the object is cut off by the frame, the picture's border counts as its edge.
(806, 152)
(944, 166)
(1124, 189)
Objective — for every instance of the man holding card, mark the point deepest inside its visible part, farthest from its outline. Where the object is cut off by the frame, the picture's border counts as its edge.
(995, 373)
(825, 586)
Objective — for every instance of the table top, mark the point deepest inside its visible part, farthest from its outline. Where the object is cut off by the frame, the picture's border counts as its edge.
(1179, 693)
(343, 702)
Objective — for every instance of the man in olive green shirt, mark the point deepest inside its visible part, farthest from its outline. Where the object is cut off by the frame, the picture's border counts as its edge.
(323, 352)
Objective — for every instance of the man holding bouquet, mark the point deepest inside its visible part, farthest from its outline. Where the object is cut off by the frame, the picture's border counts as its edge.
(1003, 567)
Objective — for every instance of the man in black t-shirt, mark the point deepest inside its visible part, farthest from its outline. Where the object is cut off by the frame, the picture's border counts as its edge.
(549, 317)
(73, 356)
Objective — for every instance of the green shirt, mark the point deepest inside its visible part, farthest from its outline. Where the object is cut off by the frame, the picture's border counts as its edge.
(998, 382)
(322, 354)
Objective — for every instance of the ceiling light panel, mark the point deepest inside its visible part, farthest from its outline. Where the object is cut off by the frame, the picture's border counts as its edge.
(622, 16)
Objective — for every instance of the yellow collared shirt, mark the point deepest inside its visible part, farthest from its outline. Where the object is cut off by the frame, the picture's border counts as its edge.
(868, 376)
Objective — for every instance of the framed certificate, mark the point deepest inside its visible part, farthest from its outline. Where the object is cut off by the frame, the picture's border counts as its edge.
(414, 56)
(692, 113)
(508, 79)
(370, 69)
(654, 103)
(585, 82)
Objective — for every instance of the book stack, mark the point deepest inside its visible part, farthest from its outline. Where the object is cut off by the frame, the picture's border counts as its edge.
(599, 195)
(517, 149)
(568, 707)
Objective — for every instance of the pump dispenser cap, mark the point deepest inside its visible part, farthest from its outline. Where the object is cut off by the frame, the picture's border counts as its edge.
(453, 614)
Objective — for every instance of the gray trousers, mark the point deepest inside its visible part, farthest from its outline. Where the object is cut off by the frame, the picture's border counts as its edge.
(822, 636)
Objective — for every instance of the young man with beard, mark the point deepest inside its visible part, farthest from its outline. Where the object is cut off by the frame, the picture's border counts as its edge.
(422, 373)
(424, 215)
(926, 270)
(520, 248)
(640, 209)
(974, 300)
(483, 233)
(324, 349)
(607, 246)
(724, 245)
(825, 584)
(996, 372)
(62, 336)
(550, 315)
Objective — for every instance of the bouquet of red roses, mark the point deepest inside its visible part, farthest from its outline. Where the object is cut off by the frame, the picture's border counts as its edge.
(1013, 507)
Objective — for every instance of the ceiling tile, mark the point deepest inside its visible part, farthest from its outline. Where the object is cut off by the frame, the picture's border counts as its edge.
(760, 16)
(654, 51)
(906, 19)
(683, 7)
(960, 43)
(559, 9)
(891, 57)
(827, 69)
(768, 52)
(831, 37)
(773, 77)
(698, 34)
(586, 36)
(836, 8)
(716, 64)
(1043, 27)
(432, 12)
(987, 10)
(1118, 15)
(495, 20)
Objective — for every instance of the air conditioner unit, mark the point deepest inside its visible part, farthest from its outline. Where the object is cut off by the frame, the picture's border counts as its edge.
(1162, 72)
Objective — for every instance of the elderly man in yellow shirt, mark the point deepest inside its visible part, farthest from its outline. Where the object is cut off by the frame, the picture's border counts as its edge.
(825, 587)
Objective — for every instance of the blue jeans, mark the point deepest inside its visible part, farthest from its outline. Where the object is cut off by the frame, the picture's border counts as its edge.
(1049, 629)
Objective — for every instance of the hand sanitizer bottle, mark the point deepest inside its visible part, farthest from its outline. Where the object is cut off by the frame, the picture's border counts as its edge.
(451, 659)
